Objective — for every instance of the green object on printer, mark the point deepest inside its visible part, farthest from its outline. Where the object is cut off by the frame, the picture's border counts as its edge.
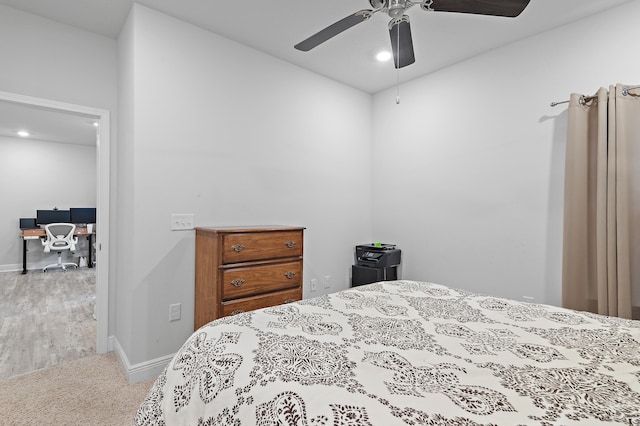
(378, 244)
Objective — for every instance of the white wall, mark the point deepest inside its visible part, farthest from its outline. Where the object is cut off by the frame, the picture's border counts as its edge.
(49, 60)
(472, 189)
(124, 258)
(237, 138)
(31, 181)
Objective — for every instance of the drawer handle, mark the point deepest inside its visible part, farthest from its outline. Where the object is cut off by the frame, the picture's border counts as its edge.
(237, 311)
(290, 244)
(237, 248)
(289, 274)
(237, 282)
(290, 300)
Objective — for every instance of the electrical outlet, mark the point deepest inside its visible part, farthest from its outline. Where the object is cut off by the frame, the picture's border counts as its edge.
(181, 222)
(327, 281)
(314, 284)
(175, 311)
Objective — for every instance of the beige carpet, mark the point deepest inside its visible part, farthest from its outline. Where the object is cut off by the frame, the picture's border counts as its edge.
(89, 391)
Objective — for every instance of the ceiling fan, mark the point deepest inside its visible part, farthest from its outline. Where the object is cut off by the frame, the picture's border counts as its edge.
(400, 27)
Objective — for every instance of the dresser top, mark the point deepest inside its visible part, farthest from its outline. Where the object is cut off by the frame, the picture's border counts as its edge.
(250, 228)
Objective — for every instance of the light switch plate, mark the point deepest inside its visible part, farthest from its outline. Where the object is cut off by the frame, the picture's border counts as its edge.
(181, 222)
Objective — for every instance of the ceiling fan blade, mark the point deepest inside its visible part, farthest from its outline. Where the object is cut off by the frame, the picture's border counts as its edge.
(334, 29)
(401, 41)
(507, 8)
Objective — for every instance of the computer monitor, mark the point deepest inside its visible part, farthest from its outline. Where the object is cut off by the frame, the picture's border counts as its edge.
(45, 217)
(83, 215)
(28, 223)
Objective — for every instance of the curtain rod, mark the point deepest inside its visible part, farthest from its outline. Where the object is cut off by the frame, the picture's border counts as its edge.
(584, 99)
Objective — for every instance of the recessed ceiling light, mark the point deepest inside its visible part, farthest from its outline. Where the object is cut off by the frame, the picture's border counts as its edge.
(23, 133)
(383, 56)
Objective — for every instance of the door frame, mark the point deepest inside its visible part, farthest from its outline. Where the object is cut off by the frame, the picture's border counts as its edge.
(103, 163)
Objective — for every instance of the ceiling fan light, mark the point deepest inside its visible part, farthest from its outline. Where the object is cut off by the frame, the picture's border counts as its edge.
(383, 56)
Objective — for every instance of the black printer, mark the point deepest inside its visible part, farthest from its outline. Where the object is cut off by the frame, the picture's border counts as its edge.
(377, 255)
(375, 262)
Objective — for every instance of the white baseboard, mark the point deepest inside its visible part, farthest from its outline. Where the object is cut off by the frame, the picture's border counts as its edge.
(142, 371)
(10, 268)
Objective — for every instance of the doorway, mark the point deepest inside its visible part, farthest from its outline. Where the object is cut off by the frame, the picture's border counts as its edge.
(103, 161)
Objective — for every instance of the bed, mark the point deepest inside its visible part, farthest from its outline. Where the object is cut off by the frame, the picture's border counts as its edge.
(403, 353)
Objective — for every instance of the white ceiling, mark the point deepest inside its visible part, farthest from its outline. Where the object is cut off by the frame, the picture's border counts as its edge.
(274, 27)
(46, 124)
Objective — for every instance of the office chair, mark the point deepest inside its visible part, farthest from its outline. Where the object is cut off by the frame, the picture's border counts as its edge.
(59, 238)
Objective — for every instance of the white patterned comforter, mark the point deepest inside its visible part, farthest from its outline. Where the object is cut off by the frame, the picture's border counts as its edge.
(403, 353)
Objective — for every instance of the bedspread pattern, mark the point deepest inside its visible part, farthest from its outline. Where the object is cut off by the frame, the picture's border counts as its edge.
(403, 353)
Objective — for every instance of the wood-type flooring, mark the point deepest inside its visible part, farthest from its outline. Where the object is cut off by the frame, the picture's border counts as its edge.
(45, 319)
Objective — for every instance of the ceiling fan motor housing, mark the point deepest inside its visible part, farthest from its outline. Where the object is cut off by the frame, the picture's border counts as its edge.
(393, 8)
(396, 8)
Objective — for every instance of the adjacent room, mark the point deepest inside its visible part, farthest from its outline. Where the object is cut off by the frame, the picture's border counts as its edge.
(208, 116)
(46, 318)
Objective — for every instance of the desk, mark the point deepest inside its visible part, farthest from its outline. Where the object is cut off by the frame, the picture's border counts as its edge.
(37, 233)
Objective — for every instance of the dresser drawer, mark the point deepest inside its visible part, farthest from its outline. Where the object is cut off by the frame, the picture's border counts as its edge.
(249, 281)
(247, 304)
(261, 245)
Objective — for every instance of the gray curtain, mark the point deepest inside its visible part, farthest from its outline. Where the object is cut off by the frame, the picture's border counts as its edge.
(601, 245)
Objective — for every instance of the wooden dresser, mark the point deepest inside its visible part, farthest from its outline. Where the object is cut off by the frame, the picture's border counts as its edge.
(241, 269)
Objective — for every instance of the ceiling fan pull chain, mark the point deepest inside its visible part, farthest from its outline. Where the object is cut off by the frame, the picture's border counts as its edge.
(427, 5)
(398, 67)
